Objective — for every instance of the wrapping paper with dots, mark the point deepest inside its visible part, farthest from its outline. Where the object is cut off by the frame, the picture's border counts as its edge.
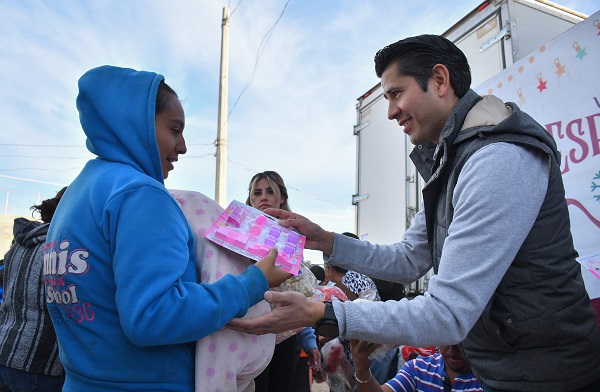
(225, 360)
(250, 232)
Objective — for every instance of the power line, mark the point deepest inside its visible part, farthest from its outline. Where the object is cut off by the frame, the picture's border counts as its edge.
(261, 48)
(40, 169)
(63, 157)
(79, 145)
(32, 180)
(41, 145)
(79, 167)
(38, 156)
(235, 8)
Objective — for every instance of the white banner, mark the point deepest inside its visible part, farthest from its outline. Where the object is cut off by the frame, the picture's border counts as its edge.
(559, 86)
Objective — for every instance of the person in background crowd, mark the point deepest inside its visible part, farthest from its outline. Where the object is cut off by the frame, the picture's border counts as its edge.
(352, 283)
(319, 273)
(446, 370)
(495, 229)
(28, 346)
(1, 279)
(120, 261)
(287, 371)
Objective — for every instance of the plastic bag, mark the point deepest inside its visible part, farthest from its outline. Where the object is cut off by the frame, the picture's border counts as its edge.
(340, 372)
(326, 294)
(305, 282)
(380, 352)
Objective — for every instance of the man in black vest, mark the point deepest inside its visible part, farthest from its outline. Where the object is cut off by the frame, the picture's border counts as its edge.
(495, 228)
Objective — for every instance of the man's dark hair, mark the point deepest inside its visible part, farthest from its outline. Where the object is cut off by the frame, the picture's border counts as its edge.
(416, 57)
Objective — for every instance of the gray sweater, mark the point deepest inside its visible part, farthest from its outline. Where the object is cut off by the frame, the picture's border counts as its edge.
(459, 292)
(504, 258)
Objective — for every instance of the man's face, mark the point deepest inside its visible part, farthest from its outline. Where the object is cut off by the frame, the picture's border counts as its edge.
(454, 359)
(421, 113)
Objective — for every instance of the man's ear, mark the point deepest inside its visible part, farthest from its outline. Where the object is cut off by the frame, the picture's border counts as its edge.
(441, 80)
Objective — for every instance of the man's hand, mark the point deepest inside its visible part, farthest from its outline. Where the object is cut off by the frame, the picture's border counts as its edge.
(316, 237)
(292, 310)
(275, 275)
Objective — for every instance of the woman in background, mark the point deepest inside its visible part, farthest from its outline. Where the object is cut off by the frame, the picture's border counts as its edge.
(267, 190)
(28, 347)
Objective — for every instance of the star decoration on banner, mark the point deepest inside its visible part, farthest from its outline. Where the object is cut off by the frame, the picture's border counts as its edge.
(521, 97)
(542, 85)
(560, 69)
(581, 53)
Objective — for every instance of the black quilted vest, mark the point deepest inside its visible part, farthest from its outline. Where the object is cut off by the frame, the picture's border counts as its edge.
(538, 331)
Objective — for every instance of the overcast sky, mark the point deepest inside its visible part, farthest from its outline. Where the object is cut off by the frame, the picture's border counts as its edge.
(296, 69)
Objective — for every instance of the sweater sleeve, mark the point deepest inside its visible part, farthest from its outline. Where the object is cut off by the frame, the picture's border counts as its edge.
(403, 262)
(307, 339)
(496, 200)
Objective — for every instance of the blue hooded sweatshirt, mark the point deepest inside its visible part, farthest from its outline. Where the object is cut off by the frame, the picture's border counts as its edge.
(119, 263)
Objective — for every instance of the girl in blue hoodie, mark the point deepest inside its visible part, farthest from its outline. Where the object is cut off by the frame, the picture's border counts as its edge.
(119, 263)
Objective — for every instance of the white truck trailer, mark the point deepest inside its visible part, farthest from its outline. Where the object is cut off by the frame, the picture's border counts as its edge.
(505, 41)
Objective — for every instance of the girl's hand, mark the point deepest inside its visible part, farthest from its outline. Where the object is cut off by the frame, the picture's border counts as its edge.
(275, 275)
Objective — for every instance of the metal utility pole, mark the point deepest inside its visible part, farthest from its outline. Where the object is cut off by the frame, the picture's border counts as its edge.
(221, 142)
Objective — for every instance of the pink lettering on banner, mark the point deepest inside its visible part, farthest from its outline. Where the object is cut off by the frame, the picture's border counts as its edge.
(594, 133)
(578, 140)
(583, 134)
(575, 203)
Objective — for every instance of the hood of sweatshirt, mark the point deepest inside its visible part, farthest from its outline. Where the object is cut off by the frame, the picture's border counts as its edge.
(117, 111)
(29, 233)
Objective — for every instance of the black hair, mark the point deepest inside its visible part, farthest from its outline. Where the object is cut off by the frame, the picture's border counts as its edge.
(318, 272)
(162, 96)
(416, 57)
(351, 235)
(47, 207)
(336, 267)
(339, 269)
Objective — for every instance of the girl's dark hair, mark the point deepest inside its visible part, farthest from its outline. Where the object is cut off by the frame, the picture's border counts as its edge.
(48, 207)
(416, 57)
(162, 96)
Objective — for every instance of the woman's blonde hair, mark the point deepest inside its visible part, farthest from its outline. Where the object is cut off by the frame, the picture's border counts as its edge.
(275, 182)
